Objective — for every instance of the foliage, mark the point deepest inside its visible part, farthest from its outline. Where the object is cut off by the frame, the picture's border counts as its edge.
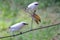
(12, 11)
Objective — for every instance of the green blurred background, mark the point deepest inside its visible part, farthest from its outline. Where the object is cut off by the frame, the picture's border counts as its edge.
(13, 11)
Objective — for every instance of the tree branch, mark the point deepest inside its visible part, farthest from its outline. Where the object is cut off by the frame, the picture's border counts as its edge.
(30, 31)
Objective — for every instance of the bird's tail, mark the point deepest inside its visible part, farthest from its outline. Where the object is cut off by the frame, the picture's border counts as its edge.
(36, 18)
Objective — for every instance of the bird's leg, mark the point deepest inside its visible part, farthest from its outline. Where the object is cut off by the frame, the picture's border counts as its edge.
(34, 12)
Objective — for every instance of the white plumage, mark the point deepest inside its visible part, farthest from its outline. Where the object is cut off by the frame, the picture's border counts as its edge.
(17, 26)
(32, 7)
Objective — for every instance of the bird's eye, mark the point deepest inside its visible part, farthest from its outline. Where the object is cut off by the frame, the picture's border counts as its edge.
(36, 4)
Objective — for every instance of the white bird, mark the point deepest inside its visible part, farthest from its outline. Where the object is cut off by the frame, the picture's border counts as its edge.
(17, 26)
(31, 9)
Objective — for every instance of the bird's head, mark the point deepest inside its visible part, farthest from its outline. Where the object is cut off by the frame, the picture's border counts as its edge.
(24, 23)
(35, 3)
